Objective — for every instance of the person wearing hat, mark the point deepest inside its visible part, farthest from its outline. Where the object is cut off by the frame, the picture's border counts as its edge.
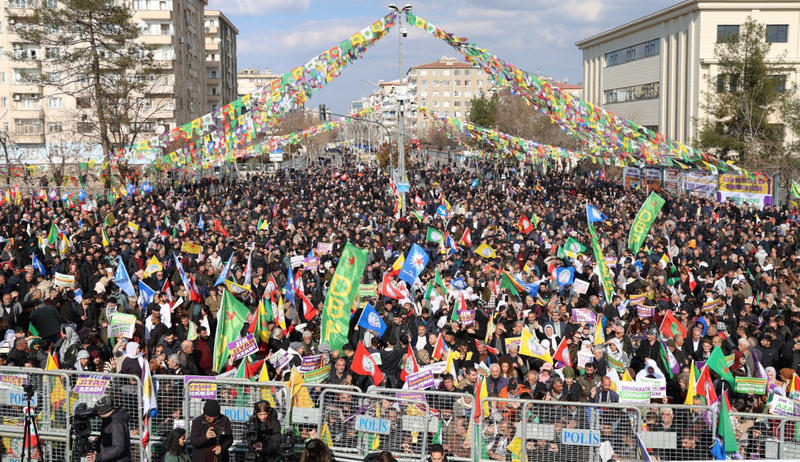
(648, 349)
(115, 437)
(212, 434)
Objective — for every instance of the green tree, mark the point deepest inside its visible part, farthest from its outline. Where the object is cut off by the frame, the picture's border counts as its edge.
(483, 110)
(751, 110)
(91, 53)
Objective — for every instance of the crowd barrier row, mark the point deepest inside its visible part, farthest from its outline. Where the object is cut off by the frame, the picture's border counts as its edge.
(405, 422)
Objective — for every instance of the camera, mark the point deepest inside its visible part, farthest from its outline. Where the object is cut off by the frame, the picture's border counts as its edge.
(288, 446)
(404, 31)
(29, 392)
(80, 431)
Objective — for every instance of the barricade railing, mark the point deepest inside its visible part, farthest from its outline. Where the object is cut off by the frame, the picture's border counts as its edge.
(766, 436)
(169, 398)
(354, 424)
(447, 409)
(306, 410)
(236, 398)
(677, 432)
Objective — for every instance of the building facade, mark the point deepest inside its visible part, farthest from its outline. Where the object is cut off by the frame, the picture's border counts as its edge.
(251, 79)
(220, 55)
(34, 116)
(658, 70)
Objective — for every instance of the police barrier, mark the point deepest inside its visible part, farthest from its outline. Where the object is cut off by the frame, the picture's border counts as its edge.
(169, 398)
(236, 398)
(354, 424)
(767, 436)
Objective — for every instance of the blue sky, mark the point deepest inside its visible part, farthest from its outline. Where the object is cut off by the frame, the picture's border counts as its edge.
(536, 35)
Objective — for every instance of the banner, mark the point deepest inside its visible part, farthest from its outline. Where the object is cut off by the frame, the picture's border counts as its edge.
(658, 387)
(631, 177)
(242, 347)
(122, 324)
(699, 183)
(652, 177)
(317, 375)
(466, 317)
(645, 311)
(634, 392)
(311, 264)
(341, 294)
(90, 385)
(64, 280)
(310, 363)
(421, 380)
(672, 180)
(368, 290)
(513, 341)
(752, 385)
(643, 221)
(605, 275)
(201, 390)
(781, 405)
(742, 184)
(323, 248)
(583, 315)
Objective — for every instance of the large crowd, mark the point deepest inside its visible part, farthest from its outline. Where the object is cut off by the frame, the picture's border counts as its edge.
(728, 274)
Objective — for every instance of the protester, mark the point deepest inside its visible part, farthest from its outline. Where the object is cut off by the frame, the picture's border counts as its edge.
(175, 446)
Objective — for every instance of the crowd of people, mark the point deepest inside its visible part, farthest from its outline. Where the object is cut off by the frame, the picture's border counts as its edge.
(727, 273)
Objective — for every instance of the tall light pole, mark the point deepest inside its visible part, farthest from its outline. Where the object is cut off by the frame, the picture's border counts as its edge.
(401, 94)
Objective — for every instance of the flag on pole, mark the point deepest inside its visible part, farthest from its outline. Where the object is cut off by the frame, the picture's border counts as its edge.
(225, 271)
(562, 353)
(122, 279)
(411, 366)
(465, 238)
(670, 326)
(690, 387)
(364, 364)
(231, 317)
(38, 265)
(146, 294)
(153, 266)
(725, 428)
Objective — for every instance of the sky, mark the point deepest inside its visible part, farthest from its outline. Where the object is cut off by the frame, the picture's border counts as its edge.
(536, 35)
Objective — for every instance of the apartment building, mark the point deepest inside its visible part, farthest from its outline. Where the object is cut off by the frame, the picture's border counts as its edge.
(656, 70)
(250, 79)
(35, 116)
(220, 52)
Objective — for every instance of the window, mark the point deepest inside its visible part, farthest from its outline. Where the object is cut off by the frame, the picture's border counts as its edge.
(445, 72)
(52, 53)
(435, 94)
(434, 72)
(779, 81)
(52, 4)
(456, 72)
(456, 93)
(2, 77)
(652, 128)
(164, 29)
(456, 82)
(435, 104)
(632, 53)
(446, 93)
(446, 104)
(466, 83)
(85, 127)
(54, 127)
(632, 93)
(727, 83)
(3, 102)
(423, 72)
(83, 102)
(466, 72)
(28, 126)
(467, 94)
(457, 103)
(777, 33)
(446, 83)
(727, 33)
(55, 102)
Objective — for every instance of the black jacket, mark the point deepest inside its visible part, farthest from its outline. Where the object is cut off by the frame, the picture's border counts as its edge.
(269, 435)
(115, 438)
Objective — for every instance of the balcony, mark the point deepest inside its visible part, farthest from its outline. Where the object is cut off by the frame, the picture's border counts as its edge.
(27, 88)
(28, 138)
(213, 98)
(153, 14)
(156, 39)
(212, 30)
(213, 81)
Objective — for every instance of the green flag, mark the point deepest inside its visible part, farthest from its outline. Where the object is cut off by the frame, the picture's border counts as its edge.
(434, 235)
(605, 274)
(341, 293)
(52, 238)
(718, 364)
(231, 317)
(643, 221)
(573, 248)
(725, 428)
(32, 330)
(439, 282)
(560, 253)
(795, 189)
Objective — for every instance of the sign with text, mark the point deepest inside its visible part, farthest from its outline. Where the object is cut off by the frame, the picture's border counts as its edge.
(633, 392)
(513, 341)
(122, 324)
(368, 290)
(201, 390)
(90, 385)
(369, 424)
(578, 437)
(317, 375)
(658, 387)
(310, 363)
(242, 347)
(324, 248)
(64, 280)
(420, 381)
(583, 315)
(280, 359)
(752, 385)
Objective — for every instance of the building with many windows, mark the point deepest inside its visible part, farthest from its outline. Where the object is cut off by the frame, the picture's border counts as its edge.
(221, 81)
(34, 115)
(656, 70)
(251, 79)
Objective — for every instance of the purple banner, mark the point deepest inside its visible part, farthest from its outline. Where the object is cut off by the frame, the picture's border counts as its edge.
(90, 386)
(201, 390)
(645, 311)
(242, 347)
(466, 317)
(311, 363)
(420, 380)
(583, 315)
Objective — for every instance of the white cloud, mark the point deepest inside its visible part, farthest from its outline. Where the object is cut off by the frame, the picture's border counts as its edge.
(258, 7)
(303, 40)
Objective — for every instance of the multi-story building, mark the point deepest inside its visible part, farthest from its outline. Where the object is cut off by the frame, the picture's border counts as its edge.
(221, 81)
(35, 115)
(656, 70)
(447, 86)
(250, 79)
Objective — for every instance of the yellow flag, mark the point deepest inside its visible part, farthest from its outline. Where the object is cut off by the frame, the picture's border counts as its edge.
(266, 394)
(153, 266)
(599, 337)
(191, 247)
(690, 391)
(489, 329)
(105, 237)
(133, 226)
(485, 251)
(376, 440)
(450, 366)
(325, 434)
(626, 377)
(530, 346)
(398, 264)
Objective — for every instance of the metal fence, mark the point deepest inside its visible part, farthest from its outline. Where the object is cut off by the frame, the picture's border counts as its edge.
(353, 424)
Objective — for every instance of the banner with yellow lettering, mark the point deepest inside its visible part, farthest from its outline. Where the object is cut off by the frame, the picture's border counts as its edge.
(643, 221)
(341, 293)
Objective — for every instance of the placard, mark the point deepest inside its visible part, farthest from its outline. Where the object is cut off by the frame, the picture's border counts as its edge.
(658, 387)
(122, 324)
(368, 290)
(645, 311)
(296, 261)
(324, 248)
(781, 405)
(90, 385)
(699, 183)
(201, 390)
(64, 280)
(633, 392)
(752, 385)
(242, 347)
(280, 359)
(580, 286)
(420, 380)
(16, 380)
(310, 363)
(467, 317)
(317, 375)
(583, 315)
(311, 264)
(513, 341)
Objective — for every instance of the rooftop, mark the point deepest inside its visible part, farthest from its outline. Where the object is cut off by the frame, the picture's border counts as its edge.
(445, 63)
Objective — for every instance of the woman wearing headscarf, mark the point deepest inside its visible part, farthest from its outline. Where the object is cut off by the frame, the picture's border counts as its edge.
(132, 364)
(616, 358)
(68, 338)
(82, 361)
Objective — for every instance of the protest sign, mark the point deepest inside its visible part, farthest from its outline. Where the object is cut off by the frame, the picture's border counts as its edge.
(752, 385)
(634, 392)
(513, 341)
(583, 315)
(242, 347)
(310, 363)
(368, 290)
(781, 405)
(297, 261)
(466, 317)
(317, 375)
(90, 385)
(311, 264)
(323, 248)
(420, 381)
(64, 280)
(17, 380)
(201, 390)
(658, 387)
(580, 286)
(645, 311)
(122, 324)
(280, 359)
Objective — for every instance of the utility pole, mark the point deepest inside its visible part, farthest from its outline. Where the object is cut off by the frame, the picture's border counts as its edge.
(401, 94)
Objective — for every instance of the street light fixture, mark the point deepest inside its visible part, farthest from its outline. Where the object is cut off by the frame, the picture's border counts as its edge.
(401, 96)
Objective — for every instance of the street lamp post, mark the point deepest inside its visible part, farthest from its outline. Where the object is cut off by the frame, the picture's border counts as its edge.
(401, 95)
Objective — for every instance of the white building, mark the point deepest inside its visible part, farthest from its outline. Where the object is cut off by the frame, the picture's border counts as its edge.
(655, 70)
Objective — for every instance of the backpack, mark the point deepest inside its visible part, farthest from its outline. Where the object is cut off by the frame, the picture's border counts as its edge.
(71, 355)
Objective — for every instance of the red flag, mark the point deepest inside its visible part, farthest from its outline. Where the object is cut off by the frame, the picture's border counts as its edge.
(465, 239)
(670, 326)
(218, 228)
(525, 225)
(411, 365)
(562, 353)
(168, 292)
(705, 387)
(308, 308)
(419, 202)
(364, 364)
(440, 348)
(692, 282)
(272, 286)
(476, 413)
(388, 289)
